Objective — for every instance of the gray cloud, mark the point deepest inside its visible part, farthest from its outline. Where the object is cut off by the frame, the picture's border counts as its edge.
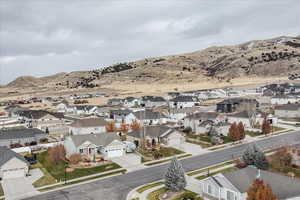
(44, 37)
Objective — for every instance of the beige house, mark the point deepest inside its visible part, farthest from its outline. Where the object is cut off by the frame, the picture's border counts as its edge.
(87, 126)
(12, 165)
(288, 111)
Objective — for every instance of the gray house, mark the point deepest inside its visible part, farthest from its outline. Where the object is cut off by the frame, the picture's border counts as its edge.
(20, 136)
(107, 144)
(12, 165)
(233, 185)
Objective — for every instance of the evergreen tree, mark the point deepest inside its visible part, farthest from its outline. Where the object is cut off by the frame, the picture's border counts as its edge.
(254, 156)
(175, 176)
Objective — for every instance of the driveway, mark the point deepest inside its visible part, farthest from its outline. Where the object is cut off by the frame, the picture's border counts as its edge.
(130, 161)
(18, 188)
(190, 148)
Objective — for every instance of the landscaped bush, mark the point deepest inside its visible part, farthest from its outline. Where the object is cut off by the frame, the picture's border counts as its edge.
(75, 158)
(44, 140)
(16, 145)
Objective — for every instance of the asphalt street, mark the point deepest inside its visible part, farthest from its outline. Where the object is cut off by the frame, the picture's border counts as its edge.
(117, 187)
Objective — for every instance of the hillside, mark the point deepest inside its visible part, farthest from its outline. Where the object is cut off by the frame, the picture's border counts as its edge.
(277, 57)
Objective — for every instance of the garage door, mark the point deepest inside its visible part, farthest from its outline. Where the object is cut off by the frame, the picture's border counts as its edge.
(14, 173)
(174, 142)
(114, 153)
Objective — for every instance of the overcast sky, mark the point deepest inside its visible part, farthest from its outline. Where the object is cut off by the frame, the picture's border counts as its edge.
(42, 37)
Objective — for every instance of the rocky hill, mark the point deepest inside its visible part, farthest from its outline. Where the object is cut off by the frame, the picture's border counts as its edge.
(262, 58)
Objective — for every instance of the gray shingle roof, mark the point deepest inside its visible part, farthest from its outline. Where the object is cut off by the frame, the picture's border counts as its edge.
(6, 154)
(151, 131)
(292, 107)
(153, 98)
(89, 122)
(148, 114)
(101, 139)
(19, 133)
(185, 99)
(203, 115)
(282, 186)
(37, 114)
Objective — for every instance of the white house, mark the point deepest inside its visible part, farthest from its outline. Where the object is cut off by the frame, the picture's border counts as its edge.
(87, 126)
(233, 185)
(147, 116)
(184, 102)
(153, 101)
(108, 145)
(130, 102)
(285, 99)
(84, 110)
(12, 164)
(288, 111)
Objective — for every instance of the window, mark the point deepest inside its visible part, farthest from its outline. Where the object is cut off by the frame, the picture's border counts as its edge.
(80, 150)
(209, 189)
(230, 195)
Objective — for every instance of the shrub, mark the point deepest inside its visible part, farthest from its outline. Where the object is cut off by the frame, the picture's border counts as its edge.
(75, 158)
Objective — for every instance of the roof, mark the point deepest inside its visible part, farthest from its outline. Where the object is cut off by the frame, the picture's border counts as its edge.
(153, 98)
(203, 115)
(121, 112)
(151, 131)
(101, 139)
(237, 101)
(37, 114)
(291, 107)
(185, 99)
(243, 178)
(84, 107)
(148, 114)
(242, 114)
(6, 154)
(20, 133)
(89, 122)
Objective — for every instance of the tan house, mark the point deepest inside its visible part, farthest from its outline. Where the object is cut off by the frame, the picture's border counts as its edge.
(12, 165)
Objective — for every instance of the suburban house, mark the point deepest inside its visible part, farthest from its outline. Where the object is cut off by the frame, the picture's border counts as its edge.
(14, 110)
(62, 107)
(285, 99)
(288, 111)
(115, 102)
(119, 115)
(153, 101)
(12, 164)
(171, 95)
(87, 126)
(130, 102)
(108, 145)
(177, 115)
(84, 110)
(183, 102)
(161, 134)
(211, 94)
(246, 118)
(147, 116)
(233, 185)
(41, 118)
(199, 121)
(236, 105)
(23, 137)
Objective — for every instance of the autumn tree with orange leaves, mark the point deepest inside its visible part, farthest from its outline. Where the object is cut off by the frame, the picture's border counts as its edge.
(260, 191)
(110, 126)
(124, 128)
(135, 125)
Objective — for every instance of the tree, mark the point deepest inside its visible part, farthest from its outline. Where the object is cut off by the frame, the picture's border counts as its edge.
(254, 156)
(75, 158)
(284, 157)
(266, 127)
(175, 176)
(234, 132)
(110, 126)
(56, 154)
(260, 191)
(241, 130)
(124, 128)
(135, 125)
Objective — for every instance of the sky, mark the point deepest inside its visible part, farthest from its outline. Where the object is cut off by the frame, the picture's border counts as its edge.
(43, 37)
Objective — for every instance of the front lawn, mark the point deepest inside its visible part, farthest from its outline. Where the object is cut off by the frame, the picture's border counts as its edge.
(163, 152)
(253, 133)
(47, 179)
(147, 187)
(155, 194)
(185, 194)
(217, 172)
(188, 195)
(276, 128)
(58, 171)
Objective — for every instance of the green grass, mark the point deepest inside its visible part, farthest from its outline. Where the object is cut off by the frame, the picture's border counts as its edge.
(210, 168)
(226, 139)
(217, 172)
(47, 179)
(276, 128)
(147, 187)
(148, 155)
(203, 145)
(1, 190)
(253, 133)
(162, 161)
(155, 194)
(292, 119)
(83, 180)
(58, 171)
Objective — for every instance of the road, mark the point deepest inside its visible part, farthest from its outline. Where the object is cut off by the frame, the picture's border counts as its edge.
(117, 187)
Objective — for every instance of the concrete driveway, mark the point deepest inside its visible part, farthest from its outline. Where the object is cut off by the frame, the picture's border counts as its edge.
(130, 161)
(190, 148)
(18, 188)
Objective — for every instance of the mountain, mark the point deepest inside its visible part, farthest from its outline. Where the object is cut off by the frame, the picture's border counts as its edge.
(277, 57)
